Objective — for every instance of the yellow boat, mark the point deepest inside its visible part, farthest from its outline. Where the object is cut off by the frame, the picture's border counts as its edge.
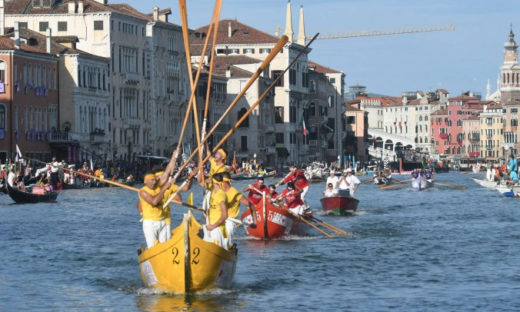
(186, 263)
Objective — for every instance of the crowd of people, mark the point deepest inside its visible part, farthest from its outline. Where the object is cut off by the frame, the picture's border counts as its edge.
(504, 172)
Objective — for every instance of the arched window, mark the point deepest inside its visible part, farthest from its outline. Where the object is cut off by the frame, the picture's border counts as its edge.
(241, 113)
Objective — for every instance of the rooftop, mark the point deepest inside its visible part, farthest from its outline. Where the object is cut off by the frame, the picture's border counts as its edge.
(240, 34)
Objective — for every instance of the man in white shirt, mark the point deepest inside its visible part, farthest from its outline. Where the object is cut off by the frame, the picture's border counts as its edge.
(348, 182)
(330, 191)
(331, 179)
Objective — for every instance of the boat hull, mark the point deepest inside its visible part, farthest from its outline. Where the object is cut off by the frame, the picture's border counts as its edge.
(186, 263)
(272, 222)
(21, 197)
(421, 183)
(339, 205)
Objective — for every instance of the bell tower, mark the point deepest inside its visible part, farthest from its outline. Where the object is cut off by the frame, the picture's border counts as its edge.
(510, 72)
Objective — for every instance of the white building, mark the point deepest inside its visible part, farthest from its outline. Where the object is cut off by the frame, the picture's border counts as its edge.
(125, 36)
(291, 93)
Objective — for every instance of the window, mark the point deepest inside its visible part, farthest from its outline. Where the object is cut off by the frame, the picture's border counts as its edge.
(37, 3)
(280, 138)
(312, 88)
(351, 120)
(243, 143)
(245, 123)
(278, 117)
(276, 74)
(292, 76)
(330, 101)
(2, 116)
(248, 51)
(514, 122)
(264, 51)
(22, 25)
(98, 25)
(332, 80)
(44, 26)
(514, 110)
(62, 26)
(292, 114)
(46, 3)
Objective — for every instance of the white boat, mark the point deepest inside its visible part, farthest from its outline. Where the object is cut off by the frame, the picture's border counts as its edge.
(502, 188)
(421, 183)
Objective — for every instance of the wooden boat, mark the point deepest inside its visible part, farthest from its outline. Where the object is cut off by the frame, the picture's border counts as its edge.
(420, 183)
(21, 197)
(272, 222)
(339, 205)
(316, 179)
(186, 263)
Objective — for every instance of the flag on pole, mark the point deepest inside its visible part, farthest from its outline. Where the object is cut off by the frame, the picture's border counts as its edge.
(91, 165)
(304, 127)
(235, 164)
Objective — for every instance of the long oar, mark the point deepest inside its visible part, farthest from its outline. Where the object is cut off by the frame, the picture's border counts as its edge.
(275, 50)
(308, 223)
(459, 187)
(192, 103)
(330, 226)
(386, 187)
(279, 46)
(210, 75)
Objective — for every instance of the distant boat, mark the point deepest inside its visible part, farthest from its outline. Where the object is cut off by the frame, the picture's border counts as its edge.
(272, 222)
(22, 197)
(420, 183)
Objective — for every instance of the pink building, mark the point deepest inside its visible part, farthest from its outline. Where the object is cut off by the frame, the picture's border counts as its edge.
(356, 127)
(471, 136)
(446, 125)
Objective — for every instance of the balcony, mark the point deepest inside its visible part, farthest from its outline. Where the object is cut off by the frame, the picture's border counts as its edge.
(59, 137)
(443, 136)
(98, 137)
(131, 78)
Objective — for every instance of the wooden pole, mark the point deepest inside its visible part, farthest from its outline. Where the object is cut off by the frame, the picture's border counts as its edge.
(308, 223)
(210, 75)
(275, 50)
(329, 226)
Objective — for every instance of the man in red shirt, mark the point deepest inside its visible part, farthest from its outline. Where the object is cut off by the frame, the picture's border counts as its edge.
(297, 176)
(293, 200)
(256, 191)
(272, 191)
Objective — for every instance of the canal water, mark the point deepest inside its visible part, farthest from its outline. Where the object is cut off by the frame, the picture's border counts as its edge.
(440, 249)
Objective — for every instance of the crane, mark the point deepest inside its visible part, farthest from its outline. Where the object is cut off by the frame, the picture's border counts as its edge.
(371, 33)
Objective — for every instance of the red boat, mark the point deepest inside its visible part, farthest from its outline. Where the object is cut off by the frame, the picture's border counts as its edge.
(280, 222)
(339, 205)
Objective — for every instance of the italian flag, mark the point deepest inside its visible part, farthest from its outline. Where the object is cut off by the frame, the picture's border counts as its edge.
(304, 127)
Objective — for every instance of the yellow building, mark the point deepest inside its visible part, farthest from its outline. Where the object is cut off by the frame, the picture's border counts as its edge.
(492, 132)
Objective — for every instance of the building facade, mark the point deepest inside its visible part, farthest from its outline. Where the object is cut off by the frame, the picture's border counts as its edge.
(492, 132)
(29, 99)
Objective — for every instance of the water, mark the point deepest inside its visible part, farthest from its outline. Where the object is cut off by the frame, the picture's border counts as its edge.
(437, 250)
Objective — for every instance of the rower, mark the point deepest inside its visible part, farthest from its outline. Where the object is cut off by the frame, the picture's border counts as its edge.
(297, 176)
(272, 191)
(151, 198)
(233, 200)
(215, 230)
(256, 191)
(154, 223)
(293, 200)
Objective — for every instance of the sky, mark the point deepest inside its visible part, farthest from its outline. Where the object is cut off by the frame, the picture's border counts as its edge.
(459, 61)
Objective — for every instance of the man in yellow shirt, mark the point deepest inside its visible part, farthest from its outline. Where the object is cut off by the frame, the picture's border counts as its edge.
(234, 199)
(214, 230)
(150, 198)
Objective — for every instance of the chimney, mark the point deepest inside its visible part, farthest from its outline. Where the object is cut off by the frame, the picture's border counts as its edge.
(80, 7)
(2, 17)
(72, 7)
(48, 37)
(229, 31)
(277, 31)
(155, 13)
(228, 72)
(16, 36)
